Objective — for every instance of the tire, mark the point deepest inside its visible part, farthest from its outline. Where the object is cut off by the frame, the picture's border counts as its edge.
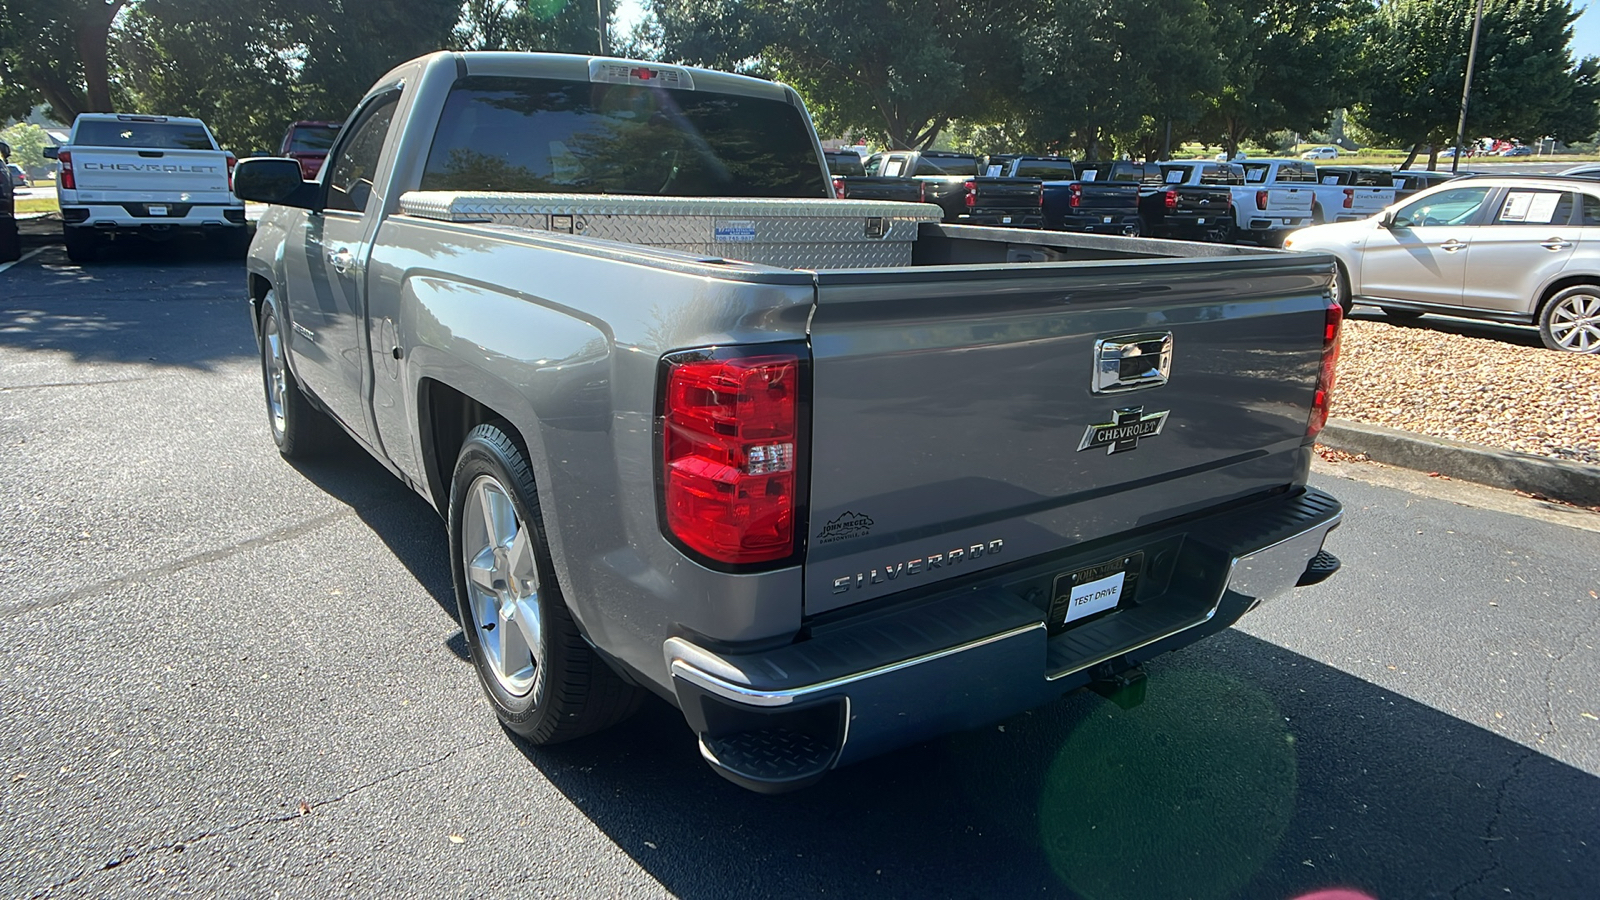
(83, 245)
(299, 429)
(545, 683)
(1401, 315)
(1570, 320)
(10, 240)
(1341, 288)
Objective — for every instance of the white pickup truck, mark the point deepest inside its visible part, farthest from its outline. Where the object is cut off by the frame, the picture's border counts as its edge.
(1348, 193)
(157, 177)
(1263, 212)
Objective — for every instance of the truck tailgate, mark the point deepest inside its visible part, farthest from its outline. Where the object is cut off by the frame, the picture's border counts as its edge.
(954, 409)
(1007, 193)
(139, 175)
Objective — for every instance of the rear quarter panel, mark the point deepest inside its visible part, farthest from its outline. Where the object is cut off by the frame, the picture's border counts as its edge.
(562, 337)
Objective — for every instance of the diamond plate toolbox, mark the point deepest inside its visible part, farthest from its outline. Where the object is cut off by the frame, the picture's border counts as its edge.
(793, 234)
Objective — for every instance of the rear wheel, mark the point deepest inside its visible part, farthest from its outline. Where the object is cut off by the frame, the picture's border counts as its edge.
(83, 245)
(1341, 288)
(545, 683)
(1571, 320)
(10, 240)
(299, 429)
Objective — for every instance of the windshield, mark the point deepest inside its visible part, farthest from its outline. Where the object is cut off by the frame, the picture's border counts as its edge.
(548, 136)
(312, 138)
(142, 135)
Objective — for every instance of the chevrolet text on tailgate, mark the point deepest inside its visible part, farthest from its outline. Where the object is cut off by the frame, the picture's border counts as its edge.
(830, 476)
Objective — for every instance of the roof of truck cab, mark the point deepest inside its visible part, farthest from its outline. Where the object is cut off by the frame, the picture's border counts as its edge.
(135, 117)
(575, 67)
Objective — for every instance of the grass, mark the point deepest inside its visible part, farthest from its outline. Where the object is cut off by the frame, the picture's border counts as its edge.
(36, 204)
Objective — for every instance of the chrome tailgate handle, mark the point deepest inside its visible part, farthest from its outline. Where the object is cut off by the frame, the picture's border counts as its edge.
(1129, 362)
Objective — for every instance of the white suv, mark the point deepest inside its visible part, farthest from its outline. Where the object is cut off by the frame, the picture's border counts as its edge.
(1321, 153)
(1507, 248)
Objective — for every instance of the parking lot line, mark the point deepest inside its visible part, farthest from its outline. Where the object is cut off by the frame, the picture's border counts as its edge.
(31, 253)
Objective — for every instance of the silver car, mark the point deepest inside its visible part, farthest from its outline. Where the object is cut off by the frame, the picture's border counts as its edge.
(1512, 249)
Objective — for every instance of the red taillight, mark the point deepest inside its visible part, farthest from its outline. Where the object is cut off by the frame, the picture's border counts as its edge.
(1349, 198)
(971, 188)
(1261, 199)
(1171, 199)
(232, 161)
(1076, 190)
(729, 431)
(838, 188)
(1325, 376)
(65, 176)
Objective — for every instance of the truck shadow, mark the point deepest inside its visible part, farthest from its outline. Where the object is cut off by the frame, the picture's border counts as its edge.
(407, 524)
(1250, 772)
(170, 306)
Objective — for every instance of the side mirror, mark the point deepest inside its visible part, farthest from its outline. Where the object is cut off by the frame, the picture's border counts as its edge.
(52, 153)
(1387, 219)
(277, 181)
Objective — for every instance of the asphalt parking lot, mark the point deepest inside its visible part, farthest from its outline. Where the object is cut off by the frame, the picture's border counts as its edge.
(230, 676)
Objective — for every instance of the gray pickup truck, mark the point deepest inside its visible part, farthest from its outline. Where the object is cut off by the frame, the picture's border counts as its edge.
(828, 499)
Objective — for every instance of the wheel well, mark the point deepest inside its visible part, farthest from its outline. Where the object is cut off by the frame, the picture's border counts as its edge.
(445, 418)
(258, 292)
(1561, 284)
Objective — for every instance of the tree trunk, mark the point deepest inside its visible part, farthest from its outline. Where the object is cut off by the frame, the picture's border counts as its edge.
(1433, 158)
(92, 43)
(1166, 142)
(1411, 157)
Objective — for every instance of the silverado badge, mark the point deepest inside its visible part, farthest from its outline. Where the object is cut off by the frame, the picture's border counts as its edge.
(1131, 424)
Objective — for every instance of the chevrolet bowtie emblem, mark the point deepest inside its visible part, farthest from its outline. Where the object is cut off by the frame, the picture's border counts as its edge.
(1123, 434)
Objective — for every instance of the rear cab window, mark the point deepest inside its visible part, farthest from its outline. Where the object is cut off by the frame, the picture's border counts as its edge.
(948, 165)
(505, 133)
(136, 134)
(1045, 169)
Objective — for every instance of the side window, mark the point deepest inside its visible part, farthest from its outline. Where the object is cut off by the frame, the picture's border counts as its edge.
(1535, 208)
(355, 162)
(1454, 207)
(873, 164)
(1591, 210)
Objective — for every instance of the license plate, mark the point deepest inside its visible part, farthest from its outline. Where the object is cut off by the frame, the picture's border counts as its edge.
(158, 210)
(1088, 592)
(1199, 221)
(1005, 220)
(1106, 220)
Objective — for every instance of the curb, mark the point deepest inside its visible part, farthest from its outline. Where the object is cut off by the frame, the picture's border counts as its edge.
(1569, 482)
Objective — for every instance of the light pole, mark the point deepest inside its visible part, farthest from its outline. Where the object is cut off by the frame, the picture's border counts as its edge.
(1466, 89)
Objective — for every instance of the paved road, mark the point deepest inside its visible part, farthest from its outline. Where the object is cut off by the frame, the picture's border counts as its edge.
(228, 676)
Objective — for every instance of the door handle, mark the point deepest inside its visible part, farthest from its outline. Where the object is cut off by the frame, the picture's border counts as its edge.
(1451, 245)
(1555, 243)
(342, 260)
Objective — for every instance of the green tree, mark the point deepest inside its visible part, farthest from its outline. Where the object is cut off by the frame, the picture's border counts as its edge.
(27, 145)
(1525, 84)
(56, 52)
(896, 71)
(558, 26)
(1290, 63)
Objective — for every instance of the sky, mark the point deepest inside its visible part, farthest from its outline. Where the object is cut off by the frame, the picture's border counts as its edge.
(1585, 32)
